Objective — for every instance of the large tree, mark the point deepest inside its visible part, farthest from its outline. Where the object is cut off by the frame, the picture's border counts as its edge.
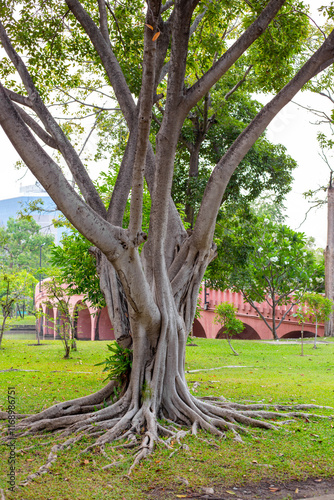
(150, 281)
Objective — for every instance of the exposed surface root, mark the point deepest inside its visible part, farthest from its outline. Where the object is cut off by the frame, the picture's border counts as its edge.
(122, 423)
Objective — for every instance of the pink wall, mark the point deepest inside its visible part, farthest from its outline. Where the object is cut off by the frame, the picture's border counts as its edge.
(255, 328)
(83, 323)
(106, 331)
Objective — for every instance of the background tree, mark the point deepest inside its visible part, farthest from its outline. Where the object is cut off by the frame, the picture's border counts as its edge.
(15, 287)
(319, 310)
(302, 315)
(226, 317)
(266, 261)
(58, 296)
(20, 245)
(159, 273)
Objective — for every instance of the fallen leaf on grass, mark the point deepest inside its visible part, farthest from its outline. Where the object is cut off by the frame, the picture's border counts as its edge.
(30, 459)
(181, 496)
(318, 480)
(297, 490)
(230, 492)
(273, 489)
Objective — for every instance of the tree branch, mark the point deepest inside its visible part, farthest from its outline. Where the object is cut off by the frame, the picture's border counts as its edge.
(237, 85)
(171, 124)
(111, 240)
(109, 61)
(39, 131)
(206, 82)
(257, 310)
(104, 21)
(144, 122)
(167, 5)
(20, 99)
(224, 169)
(73, 161)
(88, 222)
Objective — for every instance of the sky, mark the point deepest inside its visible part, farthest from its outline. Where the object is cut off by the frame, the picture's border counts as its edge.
(295, 128)
(291, 127)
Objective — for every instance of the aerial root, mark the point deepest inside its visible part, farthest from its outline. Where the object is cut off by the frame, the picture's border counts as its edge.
(24, 450)
(4, 416)
(223, 403)
(51, 459)
(120, 424)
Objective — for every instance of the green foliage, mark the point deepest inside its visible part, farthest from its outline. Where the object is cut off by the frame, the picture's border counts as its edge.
(118, 364)
(76, 267)
(266, 167)
(319, 308)
(265, 261)
(261, 258)
(20, 244)
(226, 317)
(15, 287)
(58, 296)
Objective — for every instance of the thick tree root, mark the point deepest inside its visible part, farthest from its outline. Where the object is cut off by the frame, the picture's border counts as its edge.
(124, 421)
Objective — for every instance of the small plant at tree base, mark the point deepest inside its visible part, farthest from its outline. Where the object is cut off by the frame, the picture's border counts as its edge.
(226, 317)
(118, 365)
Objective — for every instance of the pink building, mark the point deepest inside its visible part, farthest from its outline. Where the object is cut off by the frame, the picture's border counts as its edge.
(255, 327)
(91, 324)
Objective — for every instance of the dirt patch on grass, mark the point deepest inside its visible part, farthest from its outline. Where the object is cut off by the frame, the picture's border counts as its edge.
(289, 490)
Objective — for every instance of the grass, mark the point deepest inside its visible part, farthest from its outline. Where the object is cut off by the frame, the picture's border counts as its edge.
(28, 320)
(268, 372)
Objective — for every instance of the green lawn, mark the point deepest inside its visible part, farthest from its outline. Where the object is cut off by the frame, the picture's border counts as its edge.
(28, 320)
(268, 372)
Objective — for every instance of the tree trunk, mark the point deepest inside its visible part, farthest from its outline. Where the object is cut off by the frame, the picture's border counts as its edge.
(302, 341)
(329, 259)
(2, 328)
(316, 333)
(274, 322)
(193, 174)
(229, 343)
(67, 351)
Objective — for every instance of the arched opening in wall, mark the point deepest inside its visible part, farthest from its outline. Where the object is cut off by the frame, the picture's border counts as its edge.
(106, 331)
(49, 322)
(198, 330)
(297, 334)
(247, 334)
(82, 322)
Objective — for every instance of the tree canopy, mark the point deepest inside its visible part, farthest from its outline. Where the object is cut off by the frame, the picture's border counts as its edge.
(265, 261)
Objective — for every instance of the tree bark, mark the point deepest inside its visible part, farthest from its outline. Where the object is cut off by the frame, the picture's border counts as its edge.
(329, 258)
